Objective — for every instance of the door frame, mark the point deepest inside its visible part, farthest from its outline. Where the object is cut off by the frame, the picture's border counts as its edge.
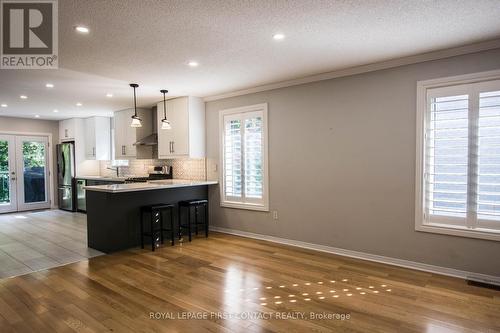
(12, 207)
(50, 156)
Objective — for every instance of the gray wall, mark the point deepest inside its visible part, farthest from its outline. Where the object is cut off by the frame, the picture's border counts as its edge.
(342, 166)
(35, 126)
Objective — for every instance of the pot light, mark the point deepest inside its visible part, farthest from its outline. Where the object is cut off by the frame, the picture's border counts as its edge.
(193, 64)
(55, 111)
(37, 116)
(49, 85)
(23, 97)
(4, 105)
(82, 29)
(109, 95)
(79, 104)
(278, 36)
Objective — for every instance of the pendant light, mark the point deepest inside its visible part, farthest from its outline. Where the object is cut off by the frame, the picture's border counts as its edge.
(136, 121)
(165, 124)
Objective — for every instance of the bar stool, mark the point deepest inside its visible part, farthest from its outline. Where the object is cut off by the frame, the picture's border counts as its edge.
(156, 228)
(196, 203)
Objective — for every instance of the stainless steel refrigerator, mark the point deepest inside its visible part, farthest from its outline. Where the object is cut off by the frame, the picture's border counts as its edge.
(66, 186)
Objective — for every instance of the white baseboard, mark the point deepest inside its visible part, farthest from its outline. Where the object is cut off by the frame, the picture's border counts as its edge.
(367, 256)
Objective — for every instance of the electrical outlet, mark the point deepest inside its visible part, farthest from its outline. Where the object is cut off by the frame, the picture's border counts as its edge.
(275, 214)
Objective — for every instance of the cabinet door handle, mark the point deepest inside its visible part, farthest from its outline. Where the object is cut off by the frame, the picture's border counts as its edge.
(65, 133)
(123, 150)
(173, 149)
(170, 146)
(93, 151)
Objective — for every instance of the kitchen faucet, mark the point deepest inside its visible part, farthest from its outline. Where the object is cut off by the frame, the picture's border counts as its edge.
(117, 169)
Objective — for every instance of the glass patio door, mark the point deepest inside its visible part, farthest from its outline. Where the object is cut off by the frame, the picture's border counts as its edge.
(8, 200)
(32, 172)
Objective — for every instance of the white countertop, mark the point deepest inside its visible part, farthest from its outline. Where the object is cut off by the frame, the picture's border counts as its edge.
(105, 178)
(150, 185)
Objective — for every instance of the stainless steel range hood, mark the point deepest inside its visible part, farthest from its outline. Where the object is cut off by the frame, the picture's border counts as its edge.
(150, 140)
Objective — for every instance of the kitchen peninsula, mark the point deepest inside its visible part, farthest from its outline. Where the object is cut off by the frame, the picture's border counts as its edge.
(113, 211)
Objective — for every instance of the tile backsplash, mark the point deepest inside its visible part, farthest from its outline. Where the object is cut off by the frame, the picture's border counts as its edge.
(189, 168)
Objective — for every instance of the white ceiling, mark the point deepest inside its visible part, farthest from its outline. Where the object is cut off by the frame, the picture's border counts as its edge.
(150, 42)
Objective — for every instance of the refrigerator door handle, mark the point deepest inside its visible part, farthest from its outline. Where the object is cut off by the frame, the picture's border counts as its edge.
(63, 167)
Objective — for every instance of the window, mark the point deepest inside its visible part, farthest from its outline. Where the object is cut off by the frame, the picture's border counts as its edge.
(458, 156)
(244, 172)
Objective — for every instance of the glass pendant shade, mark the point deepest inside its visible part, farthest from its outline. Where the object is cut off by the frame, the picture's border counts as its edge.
(136, 122)
(165, 124)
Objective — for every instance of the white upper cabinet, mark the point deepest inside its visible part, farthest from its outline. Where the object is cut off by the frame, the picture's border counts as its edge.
(126, 136)
(98, 138)
(67, 130)
(75, 130)
(187, 136)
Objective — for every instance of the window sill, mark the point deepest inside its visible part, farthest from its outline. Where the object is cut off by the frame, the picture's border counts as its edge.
(478, 233)
(247, 206)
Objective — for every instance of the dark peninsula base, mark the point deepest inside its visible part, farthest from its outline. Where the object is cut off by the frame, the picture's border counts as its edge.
(113, 219)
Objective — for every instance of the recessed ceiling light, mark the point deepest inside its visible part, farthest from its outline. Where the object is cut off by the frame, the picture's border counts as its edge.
(37, 116)
(82, 29)
(109, 95)
(193, 64)
(79, 104)
(4, 105)
(23, 97)
(278, 36)
(49, 85)
(55, 111)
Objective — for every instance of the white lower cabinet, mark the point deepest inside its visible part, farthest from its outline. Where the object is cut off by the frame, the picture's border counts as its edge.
(187, 136)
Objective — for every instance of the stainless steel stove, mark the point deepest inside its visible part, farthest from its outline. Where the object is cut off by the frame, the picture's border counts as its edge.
(154, 175)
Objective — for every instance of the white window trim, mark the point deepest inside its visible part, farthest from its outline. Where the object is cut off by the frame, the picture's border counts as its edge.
(265, 186)
(420, 223)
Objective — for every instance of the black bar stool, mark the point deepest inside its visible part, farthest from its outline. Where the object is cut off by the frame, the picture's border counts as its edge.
(156, 228)
(197, 203)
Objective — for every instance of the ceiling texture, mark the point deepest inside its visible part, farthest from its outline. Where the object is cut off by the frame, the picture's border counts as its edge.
(150, 42)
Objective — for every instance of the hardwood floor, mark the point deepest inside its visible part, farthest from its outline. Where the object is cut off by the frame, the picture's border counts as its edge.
(226, 275)
(31, 241)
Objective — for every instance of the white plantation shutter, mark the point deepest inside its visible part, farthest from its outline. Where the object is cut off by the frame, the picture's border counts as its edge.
(461, 175)
(233, 158)
(447, 157)
(254, 151)
(488, 191)
(244, 157)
